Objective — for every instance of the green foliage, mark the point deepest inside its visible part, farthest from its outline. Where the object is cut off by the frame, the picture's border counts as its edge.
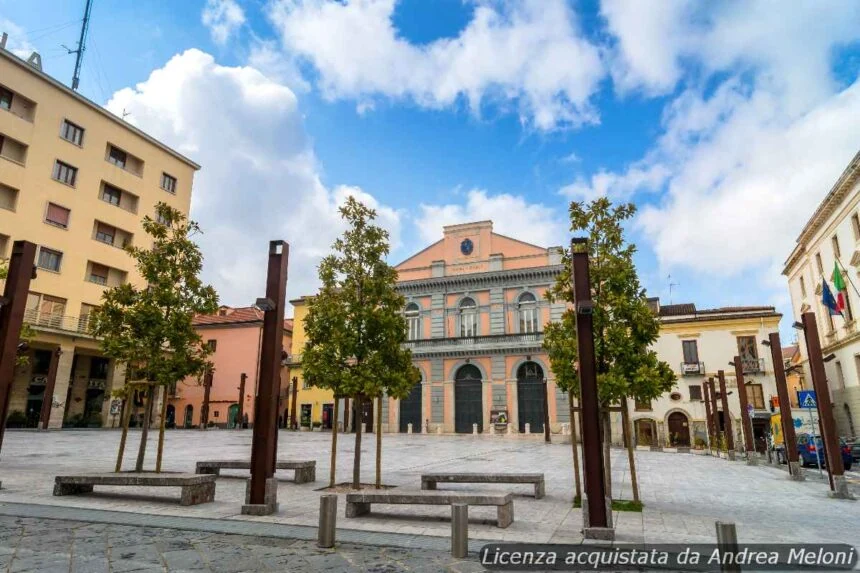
(627, 505)
(149, 328)
(16, 419)
(355, 325)
(624, 325)
(4, 269)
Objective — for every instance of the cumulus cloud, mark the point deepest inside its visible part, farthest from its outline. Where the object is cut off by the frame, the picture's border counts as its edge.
(223, 18)
(528, 55)
(512, 215)
(17, 41)
(260, 178)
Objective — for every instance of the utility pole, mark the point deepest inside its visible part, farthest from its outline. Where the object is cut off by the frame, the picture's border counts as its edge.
(240, 415)
(596, 515)
(82, 45)
(727, 416)
(12, 307)
(788, 437)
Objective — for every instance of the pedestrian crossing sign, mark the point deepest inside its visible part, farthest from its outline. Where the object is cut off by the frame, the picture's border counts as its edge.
(807, 399)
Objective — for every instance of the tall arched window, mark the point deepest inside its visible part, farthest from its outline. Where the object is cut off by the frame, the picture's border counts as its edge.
(528, 312)
(468, 317)
(413, 321)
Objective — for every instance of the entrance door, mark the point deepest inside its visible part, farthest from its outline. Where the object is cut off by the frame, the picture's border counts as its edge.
(410, 410)
(367, 407)
(170, 419)
(189, 416)
(232, 414)
(468, 401)
(645, 433)
(305, 418)
(530, 394)
(327, 416)
(679, 430)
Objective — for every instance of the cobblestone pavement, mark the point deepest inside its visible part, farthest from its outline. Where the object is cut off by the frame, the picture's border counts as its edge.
(684, 494)
(47, 546)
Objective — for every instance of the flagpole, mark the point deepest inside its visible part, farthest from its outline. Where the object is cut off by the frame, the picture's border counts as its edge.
(848, 274)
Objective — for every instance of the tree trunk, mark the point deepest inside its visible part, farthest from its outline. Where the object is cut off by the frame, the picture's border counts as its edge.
(607, 454)
(356, 460)
(628, 438)
(147, 416)
(379, 442)
(126, 416)
(576, 476)
(161, 430)
(333, 445)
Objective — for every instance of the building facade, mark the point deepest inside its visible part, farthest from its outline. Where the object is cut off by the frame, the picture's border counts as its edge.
(831, 238)
(234, 335)
(77, 181)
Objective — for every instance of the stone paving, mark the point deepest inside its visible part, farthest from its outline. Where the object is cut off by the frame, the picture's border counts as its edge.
(683, 493)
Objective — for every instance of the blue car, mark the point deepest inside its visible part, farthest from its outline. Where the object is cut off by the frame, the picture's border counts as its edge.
(810, 451)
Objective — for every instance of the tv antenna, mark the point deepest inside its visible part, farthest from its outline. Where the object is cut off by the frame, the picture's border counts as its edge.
(671, 286)
(82, 45)
(125, 113)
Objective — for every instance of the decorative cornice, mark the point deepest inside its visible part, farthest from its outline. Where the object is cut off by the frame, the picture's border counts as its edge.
(483, 280)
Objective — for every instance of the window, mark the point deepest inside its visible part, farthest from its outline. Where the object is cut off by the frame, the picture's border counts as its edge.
(8, 197)
(50, 260)
(168, 183)
(212, 345)
(413, 321)
(468, 317)
(755, 396)
(695, 392)
(72, 133)
(528, 311)
(855, 226)
(44, 309)
(840, 376)
(834, 241)
(6, 99)
(818, 264)
(643, 405)
(98, 274)
(160, 219)
(802, 287)
(748, 351)
(111, 195)
(41, 362)
(58, 216)
(105, 233)
(691, 351)
(117, 156)
(99, 368)
(65, 173)
(849, 313)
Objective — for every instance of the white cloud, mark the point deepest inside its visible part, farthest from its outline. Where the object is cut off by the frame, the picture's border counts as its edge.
(528, 54)
(260, 179)
(223, 18)
(17, 41)
(619, 186)
(512, 215)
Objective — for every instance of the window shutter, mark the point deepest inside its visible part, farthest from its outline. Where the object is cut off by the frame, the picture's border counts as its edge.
(58, 215)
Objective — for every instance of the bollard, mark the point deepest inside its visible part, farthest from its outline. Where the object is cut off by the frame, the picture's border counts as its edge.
(439, 429)
(528, 428)
(727, 542)
(364, 428)
(509, 431)
(328, 520)
(459, 530)
(474, 429)
(409, 428)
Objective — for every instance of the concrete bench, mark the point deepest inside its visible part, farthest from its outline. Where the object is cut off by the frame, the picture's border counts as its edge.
(429, 481)
(195, 488)
(358, 503)
(306, 471)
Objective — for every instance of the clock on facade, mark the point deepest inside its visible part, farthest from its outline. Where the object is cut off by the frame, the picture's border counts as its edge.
(466, 247)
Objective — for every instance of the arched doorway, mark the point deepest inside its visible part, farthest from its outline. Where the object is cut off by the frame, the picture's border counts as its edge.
(679, 429)
(645, 432)
(170, 419)
(410, 410)
(232, 415)
(530, 397)
(468, 401)
(189, 416)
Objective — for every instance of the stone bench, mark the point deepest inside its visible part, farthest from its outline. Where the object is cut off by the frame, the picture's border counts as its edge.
(306, 471)
(358, 503)
(195, 488)
(429, 481)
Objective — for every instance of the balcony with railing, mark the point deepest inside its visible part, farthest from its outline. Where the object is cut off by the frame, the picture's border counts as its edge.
(475, 343)
(753, 365)
(79, 325)
(692, 368)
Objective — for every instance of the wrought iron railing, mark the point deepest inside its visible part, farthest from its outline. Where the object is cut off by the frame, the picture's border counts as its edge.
(752, 365)
(690, 368)
(426, 344)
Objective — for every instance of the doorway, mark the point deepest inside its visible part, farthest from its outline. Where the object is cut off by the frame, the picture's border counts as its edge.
(189, 415)
(410, 410)
(327, 416)
(530, 397)
(232, 416)
(468, 401)
(679, 429)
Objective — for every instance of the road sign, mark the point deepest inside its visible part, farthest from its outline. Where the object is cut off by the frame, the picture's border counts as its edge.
(806, 398)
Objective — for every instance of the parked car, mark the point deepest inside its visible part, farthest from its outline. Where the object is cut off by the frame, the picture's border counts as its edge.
(810, 449)
(855, 449)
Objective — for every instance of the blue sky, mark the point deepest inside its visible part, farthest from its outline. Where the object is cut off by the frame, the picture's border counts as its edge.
(725, 122)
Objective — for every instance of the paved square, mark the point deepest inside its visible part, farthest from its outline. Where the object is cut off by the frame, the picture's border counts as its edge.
(684, 494)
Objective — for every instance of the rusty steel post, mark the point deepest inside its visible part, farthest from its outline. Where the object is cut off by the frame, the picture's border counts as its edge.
(822, 396)
(293, 404)
(746, 422)
(204, 409)
(20, 272)
(264, 446)
(715, 417)
(789, 438)
(709, 419)
(727, 415)
(546, 437)
(240, 415)
(595, 489)
(48, 395)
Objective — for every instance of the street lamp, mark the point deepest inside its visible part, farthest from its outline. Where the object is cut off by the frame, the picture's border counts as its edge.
(264, 304)
(765, 343)
(829, 357)
(797, 325)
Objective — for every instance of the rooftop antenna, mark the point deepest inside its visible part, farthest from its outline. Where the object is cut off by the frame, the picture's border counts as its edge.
(125, 113)
(82, 45)
(671, 286)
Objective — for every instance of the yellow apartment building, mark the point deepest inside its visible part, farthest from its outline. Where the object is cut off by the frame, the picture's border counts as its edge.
(77, 181)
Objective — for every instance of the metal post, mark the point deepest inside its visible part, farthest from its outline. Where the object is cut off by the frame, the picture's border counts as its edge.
(546, 437)
(832, 451)
(712, 392)
(20, 272)
(204, 409)
(459, 530)
(328, 520)
(727, 542)
(240, 415)
(48, 396)
(595, 490)
(746, 422)
(293, 404)
(708, 417)
(817, 449)
(789, 439)
(264, 442)
(727, 416)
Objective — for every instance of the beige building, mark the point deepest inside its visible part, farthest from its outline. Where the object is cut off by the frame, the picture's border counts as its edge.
(77, 181)
(831, 238)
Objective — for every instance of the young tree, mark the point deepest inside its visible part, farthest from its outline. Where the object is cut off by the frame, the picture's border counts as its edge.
(149, 328)
(355, 326)
(624, 325)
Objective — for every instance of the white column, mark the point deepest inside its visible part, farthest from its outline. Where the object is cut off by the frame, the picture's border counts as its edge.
(61, 386)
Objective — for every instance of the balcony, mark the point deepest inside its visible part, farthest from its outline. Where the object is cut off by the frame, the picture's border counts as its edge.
(692, 368)
(57, 323)
(753, 365)
(473, 344)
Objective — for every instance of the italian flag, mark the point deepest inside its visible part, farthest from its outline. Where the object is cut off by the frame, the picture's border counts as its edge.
(839, 286)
